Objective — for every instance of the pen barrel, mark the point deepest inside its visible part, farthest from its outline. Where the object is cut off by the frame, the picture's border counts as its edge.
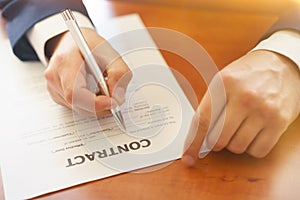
(85, 50)
(97, 73)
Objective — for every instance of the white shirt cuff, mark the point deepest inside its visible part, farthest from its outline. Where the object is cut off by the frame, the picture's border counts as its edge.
(284, 42)
(50, 27)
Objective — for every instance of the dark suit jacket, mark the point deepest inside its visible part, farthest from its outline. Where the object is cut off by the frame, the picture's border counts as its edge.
(21, 15)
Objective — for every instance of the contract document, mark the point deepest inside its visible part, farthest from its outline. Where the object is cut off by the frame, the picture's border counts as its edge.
(46, 147)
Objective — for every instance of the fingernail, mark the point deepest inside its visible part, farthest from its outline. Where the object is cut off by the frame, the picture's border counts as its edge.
(202, 154)
(204, 150)
(188, 160)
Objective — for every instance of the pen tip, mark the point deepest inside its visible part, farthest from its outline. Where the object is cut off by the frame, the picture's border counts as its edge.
(120, 120)
(123, 125)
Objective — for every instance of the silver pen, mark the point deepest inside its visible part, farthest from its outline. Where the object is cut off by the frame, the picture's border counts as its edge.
(90, 60)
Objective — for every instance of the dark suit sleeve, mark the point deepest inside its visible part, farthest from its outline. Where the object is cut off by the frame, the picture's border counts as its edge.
(288, 20)
(21, 15)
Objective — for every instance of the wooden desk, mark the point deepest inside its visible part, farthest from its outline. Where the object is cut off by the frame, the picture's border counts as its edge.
(226, 34)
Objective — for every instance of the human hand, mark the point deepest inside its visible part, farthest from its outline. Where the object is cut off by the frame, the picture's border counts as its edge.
(262, 99)
(67, 80)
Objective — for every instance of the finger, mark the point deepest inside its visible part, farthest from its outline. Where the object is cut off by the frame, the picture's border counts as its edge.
(87, 104)
(88, 101)
(232, 118)
(120, 87)
(264, 142)
(103, 113)
(213, 136)
(84, 113)
(119, 77)
(218, 114)
(198, 129)
(75, 93)
(243, 137)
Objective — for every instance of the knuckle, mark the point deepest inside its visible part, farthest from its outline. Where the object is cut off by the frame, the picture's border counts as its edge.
(275, 114)
(49, 74)
(229, 78)
(270, 109)
(57, 59)
(204, 123)
(249, 98)
(281, 120)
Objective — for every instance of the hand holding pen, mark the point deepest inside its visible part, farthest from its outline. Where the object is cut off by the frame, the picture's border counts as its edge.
(66, 74)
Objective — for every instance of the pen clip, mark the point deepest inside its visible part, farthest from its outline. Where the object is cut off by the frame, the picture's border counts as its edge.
(68, 15)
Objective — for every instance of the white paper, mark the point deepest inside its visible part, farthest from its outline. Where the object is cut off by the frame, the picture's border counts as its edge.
(46, 147)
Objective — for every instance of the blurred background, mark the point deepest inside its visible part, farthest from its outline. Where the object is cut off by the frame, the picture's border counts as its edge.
(257, 6)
